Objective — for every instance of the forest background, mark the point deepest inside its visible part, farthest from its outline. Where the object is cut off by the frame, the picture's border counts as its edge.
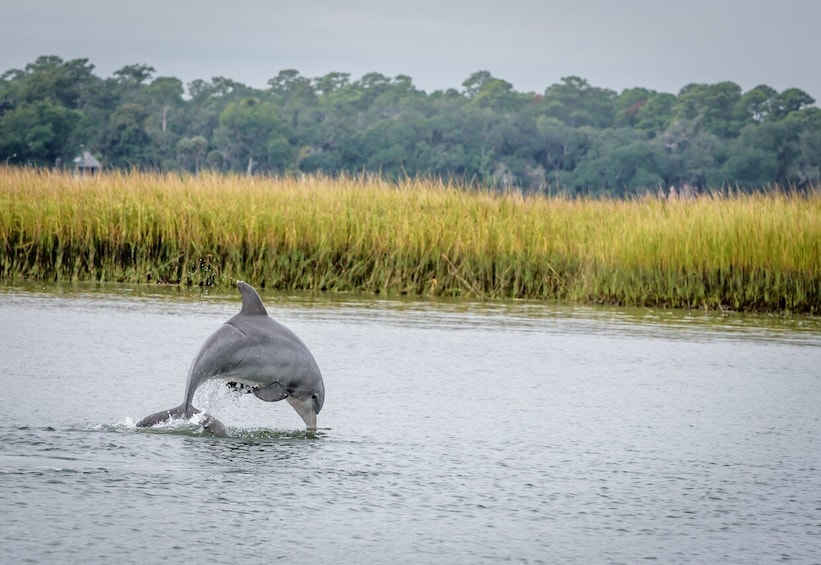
(574, 138)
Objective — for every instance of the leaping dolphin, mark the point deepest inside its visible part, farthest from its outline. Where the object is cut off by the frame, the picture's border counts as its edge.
(255, 354)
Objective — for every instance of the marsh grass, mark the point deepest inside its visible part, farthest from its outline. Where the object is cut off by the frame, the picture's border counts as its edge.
(755, 252)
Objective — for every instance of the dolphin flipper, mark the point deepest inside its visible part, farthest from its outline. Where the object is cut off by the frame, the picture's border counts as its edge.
(271, 393)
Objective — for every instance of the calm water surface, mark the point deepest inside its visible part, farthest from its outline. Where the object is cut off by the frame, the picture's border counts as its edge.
(452, 432)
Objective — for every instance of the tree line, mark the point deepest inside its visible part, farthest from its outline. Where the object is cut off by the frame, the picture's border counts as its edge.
(573, 138)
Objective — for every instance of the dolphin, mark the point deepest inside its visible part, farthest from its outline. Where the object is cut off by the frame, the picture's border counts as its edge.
(255, 354)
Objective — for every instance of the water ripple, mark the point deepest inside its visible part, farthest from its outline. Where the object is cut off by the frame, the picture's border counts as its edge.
(453, 433)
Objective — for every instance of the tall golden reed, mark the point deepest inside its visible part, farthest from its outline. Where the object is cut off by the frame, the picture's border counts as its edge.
(756, 252)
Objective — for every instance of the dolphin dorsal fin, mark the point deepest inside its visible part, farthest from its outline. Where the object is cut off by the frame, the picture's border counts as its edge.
(251, 302)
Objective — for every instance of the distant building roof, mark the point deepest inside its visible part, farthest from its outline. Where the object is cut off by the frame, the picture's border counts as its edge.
(86, 161)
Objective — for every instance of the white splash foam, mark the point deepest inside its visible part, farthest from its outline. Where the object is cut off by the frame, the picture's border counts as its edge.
(244, 411)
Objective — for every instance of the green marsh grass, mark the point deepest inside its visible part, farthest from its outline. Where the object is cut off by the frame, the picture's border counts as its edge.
(758, 252)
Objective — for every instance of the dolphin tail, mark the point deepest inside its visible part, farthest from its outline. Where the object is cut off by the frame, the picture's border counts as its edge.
(162, 416)
(209, 423)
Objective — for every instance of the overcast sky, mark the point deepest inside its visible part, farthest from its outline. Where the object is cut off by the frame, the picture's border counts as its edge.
(658, 44)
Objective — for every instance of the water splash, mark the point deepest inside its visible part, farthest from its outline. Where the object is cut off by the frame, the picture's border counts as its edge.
(244, 416)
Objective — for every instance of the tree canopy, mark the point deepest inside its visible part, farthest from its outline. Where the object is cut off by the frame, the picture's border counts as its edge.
(573, 137)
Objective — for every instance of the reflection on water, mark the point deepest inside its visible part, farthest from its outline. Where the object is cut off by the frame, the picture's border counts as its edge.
(453, 432)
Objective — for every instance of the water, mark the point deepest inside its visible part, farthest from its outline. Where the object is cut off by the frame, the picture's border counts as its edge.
(452, 432)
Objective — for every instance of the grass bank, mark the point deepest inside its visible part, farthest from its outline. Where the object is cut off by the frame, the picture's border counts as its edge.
(748, 252)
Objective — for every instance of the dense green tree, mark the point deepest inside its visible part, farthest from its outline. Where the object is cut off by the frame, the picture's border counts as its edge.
(251, 134)
(475, 82)
(38, 133)
(802, 124)
(619, 161)
(44, 110)
(560, 146)
(748, 166)
(442, 146)
(486, 91)
(806, 167)
(711, 106)
(163, 97)
(207, 101)
(574, 136)
(296, 99)
(50, 79)
(577, 103)
(125, 143)
(134, 76)
(332, 83)
(756, 104)
(696, 160)
(791, 100)
(165, 93)
(655, 115)
(190, 152)
(628, 104)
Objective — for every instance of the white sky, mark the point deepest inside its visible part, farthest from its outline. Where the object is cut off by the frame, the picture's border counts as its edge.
(656, 44)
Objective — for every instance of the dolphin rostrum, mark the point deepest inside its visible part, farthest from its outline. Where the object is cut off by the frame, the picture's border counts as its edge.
(255, 354)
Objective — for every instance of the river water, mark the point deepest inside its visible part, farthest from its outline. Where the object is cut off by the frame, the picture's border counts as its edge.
(452, 432)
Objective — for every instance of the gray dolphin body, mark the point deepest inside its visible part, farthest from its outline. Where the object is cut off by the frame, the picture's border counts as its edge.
(260, 355)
